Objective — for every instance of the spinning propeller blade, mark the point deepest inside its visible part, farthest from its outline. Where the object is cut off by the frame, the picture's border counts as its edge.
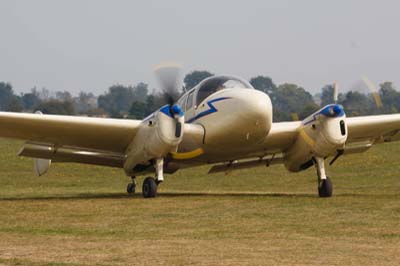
(169, 78)
(335, 92)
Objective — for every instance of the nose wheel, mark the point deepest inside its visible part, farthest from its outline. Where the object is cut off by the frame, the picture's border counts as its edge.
(131, 187)
(325, 187)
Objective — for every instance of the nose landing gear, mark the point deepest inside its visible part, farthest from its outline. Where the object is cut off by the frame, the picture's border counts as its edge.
(325, 187)
(150, 184)
(131, 187)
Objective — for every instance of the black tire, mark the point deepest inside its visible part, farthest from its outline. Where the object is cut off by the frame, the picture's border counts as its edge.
(149, 188)
(325, 188)
(130, 188)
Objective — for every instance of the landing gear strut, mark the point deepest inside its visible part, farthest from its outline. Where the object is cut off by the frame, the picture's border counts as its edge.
(325, 186)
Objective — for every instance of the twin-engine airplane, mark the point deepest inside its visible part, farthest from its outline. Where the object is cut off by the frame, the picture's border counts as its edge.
(222, 121)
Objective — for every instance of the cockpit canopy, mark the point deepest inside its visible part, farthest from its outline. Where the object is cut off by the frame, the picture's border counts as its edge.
(217, 83)
(209, 86)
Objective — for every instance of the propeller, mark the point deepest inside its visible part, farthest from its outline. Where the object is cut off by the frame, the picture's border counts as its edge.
(335, 92)
(374, 91)
(365, 87)
(169, 78)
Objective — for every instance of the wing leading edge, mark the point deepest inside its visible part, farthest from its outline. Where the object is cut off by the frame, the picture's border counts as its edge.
(99, 141)
(365, 130)
(379, 128)
(112, 135)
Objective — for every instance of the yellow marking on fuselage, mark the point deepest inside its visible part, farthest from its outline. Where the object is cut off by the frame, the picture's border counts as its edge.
(307, 138)
(187, 155)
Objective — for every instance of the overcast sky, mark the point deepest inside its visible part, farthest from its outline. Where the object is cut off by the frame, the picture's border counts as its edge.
(89, 45)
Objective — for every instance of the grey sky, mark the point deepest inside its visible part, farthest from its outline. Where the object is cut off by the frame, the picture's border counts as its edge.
(89, 45)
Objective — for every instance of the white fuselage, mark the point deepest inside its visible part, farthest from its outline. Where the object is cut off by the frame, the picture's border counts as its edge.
(235, 122)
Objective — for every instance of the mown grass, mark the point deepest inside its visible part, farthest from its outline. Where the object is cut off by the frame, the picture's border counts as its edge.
(80, 215)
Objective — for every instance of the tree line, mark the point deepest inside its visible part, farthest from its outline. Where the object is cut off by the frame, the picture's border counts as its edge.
(290, 101)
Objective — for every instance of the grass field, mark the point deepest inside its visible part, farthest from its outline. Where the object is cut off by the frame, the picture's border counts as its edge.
(80, 215)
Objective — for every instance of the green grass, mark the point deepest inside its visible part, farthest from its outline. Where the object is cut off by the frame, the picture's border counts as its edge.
(80, 215)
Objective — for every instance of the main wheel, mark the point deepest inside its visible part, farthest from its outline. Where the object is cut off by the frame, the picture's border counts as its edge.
(130, 188)
(325, 188)
(149, 188)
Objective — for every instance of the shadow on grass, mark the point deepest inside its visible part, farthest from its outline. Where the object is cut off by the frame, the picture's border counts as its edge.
(85, 196)
(236, 194)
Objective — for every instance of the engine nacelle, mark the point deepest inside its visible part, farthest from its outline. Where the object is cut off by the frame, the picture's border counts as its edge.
(159, 134)
(322, 134)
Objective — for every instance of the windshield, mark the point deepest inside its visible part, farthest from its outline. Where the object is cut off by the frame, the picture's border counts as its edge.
(215, 84)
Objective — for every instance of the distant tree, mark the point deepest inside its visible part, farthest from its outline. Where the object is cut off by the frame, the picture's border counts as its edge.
(151, 104)
(390, 98)
(307, 110)
(118, 101)
(96, 112)
(291, 99)
(356, 103)
(154, 102)
(85, 102)
(195, 77)
(63, 96)
(30, 100)
(139, 92)
(56, 107)
(44, 94)
(138, 110)
(327, 95)
(6, 95)
(15, 104)
(263, 83)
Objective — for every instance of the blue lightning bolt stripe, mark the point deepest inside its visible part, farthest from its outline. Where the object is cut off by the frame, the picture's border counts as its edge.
(209, 111)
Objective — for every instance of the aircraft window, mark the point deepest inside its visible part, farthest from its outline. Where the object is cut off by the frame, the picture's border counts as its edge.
(182, 102)
(215, 84)
(189, 102)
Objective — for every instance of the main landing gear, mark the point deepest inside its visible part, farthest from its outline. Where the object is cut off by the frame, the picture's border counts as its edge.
(325, 187)
(150, 184)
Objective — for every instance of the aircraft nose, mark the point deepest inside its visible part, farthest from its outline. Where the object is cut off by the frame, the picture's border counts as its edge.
(252, 113)
(256, 107)
(244, 119)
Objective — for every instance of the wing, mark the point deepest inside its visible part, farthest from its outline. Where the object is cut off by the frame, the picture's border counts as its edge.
(99, 141)
(363, 132)
(364, 129)
(89, 133)
(281, 136)
(373, 129)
